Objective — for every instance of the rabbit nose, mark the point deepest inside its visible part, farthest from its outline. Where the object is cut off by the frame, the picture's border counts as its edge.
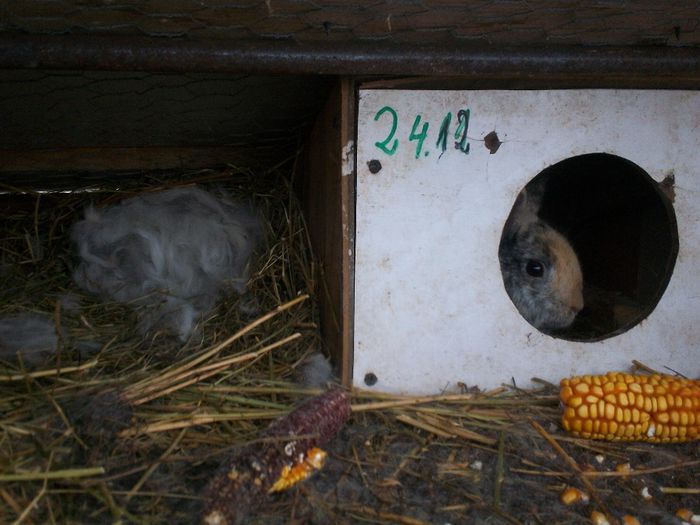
(576, 304)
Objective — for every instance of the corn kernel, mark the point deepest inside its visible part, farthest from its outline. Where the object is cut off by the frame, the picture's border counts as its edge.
(684, 514)
(662, 404)
(675, 417)
(622, 399)
(565, 393)
(571, 495)
(623, 468)
(292, 474)
(619, 415)
(610, 411)
(593, 410)
(581, 388)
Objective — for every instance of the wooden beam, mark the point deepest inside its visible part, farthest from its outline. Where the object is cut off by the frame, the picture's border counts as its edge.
(119, 159)
(328, 193)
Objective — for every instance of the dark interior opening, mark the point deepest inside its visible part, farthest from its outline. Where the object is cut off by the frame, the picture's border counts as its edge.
(622, 225)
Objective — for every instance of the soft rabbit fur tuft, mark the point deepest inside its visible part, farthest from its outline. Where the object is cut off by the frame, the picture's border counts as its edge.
(32, 335)
(173, 251)
(541, 271)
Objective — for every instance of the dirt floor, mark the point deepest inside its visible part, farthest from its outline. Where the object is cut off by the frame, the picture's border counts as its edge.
(383, 471)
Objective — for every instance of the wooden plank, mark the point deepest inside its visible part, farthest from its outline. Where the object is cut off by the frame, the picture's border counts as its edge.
(631, 80)
(119, 159)
(328, 194)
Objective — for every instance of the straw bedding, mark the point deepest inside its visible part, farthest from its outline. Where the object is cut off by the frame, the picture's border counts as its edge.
(117, 424)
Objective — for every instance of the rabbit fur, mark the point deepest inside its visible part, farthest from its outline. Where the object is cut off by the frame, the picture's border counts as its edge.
(32, 335)
(172, 251)
(541, 271)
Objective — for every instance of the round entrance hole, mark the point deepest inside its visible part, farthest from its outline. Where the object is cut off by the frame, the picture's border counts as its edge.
(621, 225)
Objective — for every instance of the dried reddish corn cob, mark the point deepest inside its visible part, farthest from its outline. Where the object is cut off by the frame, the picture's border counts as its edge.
(618, 406)
(287, 455)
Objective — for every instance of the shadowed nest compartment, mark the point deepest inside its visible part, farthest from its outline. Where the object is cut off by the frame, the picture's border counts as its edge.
(101, 348)
(622, 226)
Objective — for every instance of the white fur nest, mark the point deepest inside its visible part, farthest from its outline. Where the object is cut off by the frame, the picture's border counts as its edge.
(173, 251)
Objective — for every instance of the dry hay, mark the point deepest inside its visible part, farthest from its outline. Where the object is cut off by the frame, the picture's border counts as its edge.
(134, 431)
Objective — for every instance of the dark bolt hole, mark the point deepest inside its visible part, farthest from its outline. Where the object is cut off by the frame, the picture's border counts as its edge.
(370, 379)
(374, 166)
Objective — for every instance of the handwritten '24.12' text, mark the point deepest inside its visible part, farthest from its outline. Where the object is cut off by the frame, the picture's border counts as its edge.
(419, 133)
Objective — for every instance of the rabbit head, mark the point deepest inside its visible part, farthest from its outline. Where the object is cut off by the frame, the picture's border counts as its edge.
(541, 271)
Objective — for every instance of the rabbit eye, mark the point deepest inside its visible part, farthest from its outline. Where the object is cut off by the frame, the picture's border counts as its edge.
(534, 268)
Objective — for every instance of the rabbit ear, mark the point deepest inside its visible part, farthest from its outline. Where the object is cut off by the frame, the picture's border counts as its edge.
(524, 211)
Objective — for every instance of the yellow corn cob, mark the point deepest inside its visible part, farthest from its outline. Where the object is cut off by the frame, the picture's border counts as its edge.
(618, 406)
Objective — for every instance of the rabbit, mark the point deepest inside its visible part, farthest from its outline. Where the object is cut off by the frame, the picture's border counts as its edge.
(541, 271)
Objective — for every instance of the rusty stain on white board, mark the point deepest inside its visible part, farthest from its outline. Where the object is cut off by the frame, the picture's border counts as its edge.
(430, 307)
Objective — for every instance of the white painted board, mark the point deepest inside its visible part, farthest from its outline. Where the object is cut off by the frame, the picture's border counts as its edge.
(431, 310)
